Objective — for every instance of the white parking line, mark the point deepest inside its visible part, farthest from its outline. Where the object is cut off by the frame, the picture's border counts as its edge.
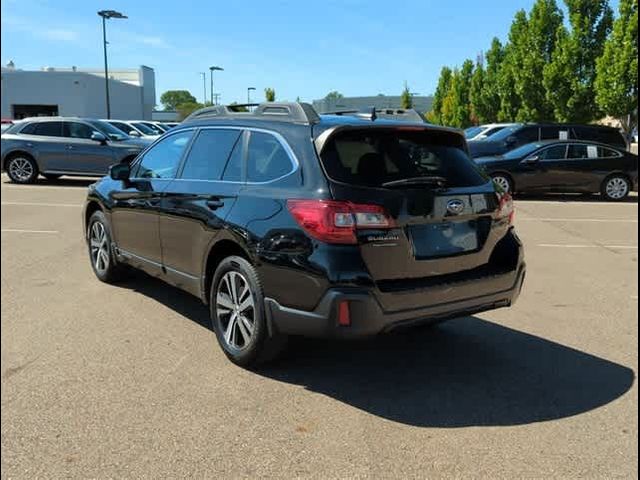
(16, 230)
(43, 187)
(32, 204)
(587, 220)
(614, 247)
(576, 202)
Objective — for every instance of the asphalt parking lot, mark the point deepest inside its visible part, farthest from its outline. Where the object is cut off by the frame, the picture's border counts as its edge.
(127, 381)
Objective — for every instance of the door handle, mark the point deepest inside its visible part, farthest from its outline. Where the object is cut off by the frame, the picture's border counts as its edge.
(215, 203)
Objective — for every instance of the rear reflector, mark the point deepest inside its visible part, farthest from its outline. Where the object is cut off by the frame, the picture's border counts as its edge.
(344, 316)
(337, 222)
(507, 208)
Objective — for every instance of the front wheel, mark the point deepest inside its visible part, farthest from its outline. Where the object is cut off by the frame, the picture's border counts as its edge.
(616, 188)
(238, 315)
(103, 261)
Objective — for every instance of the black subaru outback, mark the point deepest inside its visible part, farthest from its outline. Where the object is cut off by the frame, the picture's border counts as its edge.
(289, 223)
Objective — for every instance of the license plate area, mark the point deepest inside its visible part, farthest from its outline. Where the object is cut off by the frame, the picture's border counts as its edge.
(444, 239)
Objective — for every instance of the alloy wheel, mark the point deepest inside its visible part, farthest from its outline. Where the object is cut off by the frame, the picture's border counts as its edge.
(235, 310)
(617, 188)
(503, 182)
(99, 243)
(21, 169)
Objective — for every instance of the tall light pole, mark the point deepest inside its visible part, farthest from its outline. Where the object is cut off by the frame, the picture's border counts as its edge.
(249, 93)
(204, 87)
(213, 69)
(105, 14)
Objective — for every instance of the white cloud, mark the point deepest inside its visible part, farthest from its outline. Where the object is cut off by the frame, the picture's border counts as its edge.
(24, 26)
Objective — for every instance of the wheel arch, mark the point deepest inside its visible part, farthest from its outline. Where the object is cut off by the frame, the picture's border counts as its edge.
(14, 153)
(220, 250)
(91, 207)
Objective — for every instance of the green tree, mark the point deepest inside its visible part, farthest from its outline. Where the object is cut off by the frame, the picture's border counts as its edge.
(510, 101)
(532, 44)
(462, 112)
(172, 98)
(570, 76)
(487, 105)
(333, 96)
(475, 94)
(187, 108)
(616, 81)
(442, 90)
(270, 94)
(406, 100)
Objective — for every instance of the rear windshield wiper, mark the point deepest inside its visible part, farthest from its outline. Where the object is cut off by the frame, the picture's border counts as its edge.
(426, 180)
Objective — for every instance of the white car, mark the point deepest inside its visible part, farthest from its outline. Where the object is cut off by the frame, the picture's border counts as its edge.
(481, 132)
(134, 128)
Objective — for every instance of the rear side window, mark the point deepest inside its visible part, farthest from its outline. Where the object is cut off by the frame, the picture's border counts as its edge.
(604, 152)
(527, 135)
(45, 129)
(209, 153)
(577, 152)
(267, 159)
(373, 157)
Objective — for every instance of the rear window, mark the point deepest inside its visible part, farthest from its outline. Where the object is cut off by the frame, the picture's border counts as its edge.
(374, 157)
(602, 135)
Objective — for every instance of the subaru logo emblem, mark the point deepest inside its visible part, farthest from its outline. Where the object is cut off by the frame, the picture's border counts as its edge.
(455, 207)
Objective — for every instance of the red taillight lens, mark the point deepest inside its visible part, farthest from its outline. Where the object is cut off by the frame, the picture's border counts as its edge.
(344, 315)
(337, 222)
(507, 208)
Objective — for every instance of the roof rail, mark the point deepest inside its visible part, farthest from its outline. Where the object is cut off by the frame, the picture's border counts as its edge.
(372, 113)
(294, 112)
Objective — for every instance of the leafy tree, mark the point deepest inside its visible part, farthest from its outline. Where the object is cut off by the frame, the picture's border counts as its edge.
(270, 94)
(475, 95)
(532, 42)
(406, 100)
(616, 81)
(450, 105)
(333, 96)
(487, 105)
(172, 98)
(462, 115)
(570, 76)
(510, 101)
(187, 108)
(442, 90)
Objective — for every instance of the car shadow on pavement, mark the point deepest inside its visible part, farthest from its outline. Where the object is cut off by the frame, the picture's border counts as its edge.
(562, 197)
(462, 373)
(61, 182)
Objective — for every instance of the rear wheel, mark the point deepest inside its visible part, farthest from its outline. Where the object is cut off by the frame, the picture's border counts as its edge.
(22, 169)
(504, 182)
(616, 188)
(238, 314)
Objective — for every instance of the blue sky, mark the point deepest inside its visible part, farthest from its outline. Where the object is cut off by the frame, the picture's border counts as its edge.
(305, 49)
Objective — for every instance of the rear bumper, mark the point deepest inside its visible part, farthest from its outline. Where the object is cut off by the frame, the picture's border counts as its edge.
(369, 318)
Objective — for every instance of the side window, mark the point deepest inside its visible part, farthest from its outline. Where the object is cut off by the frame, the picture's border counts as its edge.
(577, 152)
(527, 135)
(267, 159)
(48, 129)
(557, 152)
(162, 160)
(604, 152)
(29, 129)
(209, 153)
(122, 126)
(233, 169)
(77, 130)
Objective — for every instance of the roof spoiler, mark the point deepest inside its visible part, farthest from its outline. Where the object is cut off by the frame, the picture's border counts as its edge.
(373, 113)
(294, 112)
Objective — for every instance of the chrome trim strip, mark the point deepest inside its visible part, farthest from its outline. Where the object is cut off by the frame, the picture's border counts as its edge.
(125, 253)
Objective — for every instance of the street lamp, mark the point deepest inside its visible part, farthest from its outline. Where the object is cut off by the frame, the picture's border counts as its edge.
(204, 87)
(249, 93)
(105, 14)
(213, 69)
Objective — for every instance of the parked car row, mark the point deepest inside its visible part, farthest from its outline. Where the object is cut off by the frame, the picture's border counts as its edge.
(563, 158)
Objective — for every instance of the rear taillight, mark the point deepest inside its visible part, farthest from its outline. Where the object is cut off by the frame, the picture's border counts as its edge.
(506, 208)
(336, 222)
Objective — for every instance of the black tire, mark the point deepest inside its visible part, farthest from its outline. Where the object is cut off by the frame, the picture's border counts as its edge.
(615, 188)
(51, 177)
(262, 346)
(22, 168)
(504, 181)
(112, 271)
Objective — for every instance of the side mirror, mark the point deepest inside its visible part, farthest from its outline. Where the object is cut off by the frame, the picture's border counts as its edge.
(134, 133)
(98, 137)
(120, 171)
(531, 160)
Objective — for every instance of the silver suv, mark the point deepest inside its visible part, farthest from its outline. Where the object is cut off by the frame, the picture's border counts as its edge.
(55, 146)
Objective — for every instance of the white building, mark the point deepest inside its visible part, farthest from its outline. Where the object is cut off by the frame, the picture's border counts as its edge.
(77, 92)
